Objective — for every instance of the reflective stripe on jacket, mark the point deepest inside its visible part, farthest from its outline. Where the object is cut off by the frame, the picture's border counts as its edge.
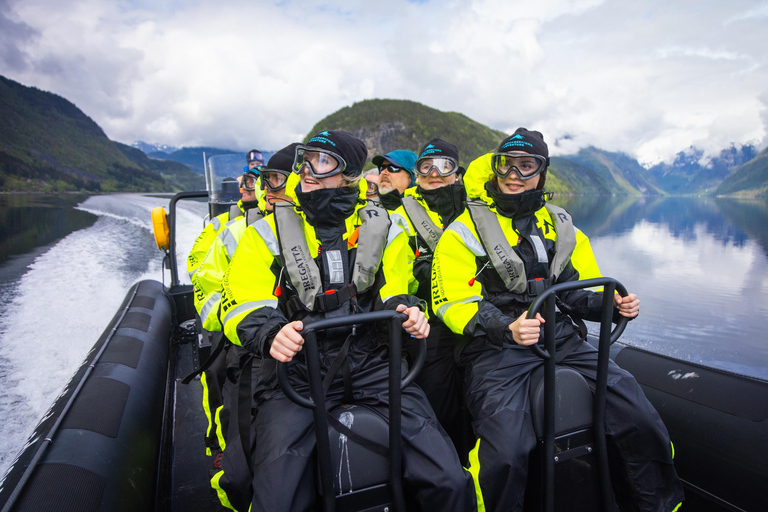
(460, 256)
(251, 281)
(205, 239)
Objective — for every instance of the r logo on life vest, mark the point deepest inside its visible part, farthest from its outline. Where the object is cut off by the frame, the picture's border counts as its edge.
(372, 213)
(563, 217)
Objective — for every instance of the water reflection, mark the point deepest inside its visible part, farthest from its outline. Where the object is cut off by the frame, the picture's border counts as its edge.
(699, 266)
(28, 222)
(728, 220)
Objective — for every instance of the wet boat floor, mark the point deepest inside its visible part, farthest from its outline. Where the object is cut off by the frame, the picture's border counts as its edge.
(191, 487)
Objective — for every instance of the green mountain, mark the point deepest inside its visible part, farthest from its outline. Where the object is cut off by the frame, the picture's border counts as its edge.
(193, 157)
(48, 144)
(616, 173)
(568, 177)
(749, 180)
(171, 171)
(385, 125)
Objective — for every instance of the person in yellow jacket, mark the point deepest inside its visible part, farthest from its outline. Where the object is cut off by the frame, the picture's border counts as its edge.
(207, 282)
(428, 208)
(333, 254)
(272, 182)
(220, 377)
(248, 206)
(250, 199)
(490, 264)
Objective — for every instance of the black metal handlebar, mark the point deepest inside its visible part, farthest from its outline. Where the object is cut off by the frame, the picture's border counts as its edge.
(172, 229)
(542, 299)
(606, 339)
(330, 323)
(316, 402)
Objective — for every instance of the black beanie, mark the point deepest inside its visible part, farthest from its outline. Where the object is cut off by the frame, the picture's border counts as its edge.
(283, 159)
(527, 141)
(344, 144)
(437, 148)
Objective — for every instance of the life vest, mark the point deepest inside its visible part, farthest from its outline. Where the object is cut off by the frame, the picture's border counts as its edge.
(235, 211)
(422, 222)
(503, 257)
(252, 215)
(304, 274)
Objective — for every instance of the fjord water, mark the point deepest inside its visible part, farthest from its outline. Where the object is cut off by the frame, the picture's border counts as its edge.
(699, 266)
(57, 301)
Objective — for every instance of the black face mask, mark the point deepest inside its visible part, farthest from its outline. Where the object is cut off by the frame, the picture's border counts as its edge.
(328, 207)
(515, 205)
(247, 205)
(391, 200)
(447, 201)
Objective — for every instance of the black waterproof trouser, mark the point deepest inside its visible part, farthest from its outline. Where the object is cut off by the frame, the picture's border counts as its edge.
(441, 381)
(213, 381)
(497, 386)
(283, 462)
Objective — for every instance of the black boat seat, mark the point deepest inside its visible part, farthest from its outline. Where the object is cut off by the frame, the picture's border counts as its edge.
(573, 401)
(356, 467)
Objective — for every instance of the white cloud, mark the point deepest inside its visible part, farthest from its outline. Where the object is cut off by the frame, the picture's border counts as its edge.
(648, 79)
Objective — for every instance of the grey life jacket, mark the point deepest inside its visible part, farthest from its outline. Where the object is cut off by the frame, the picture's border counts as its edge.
(303, 272)
(503, 257)
(235, 212)
(422, 222)
(251, 215)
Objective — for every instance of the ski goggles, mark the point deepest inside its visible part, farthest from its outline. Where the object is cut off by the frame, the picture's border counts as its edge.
(255, 156)
(445, 166)
(390, 168)
(319, 162)
(273, 179)
(373, 189)
(524, 165)
(248, 179)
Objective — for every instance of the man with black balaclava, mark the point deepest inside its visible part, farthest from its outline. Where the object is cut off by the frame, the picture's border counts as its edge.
(332, 254)
(429, 207)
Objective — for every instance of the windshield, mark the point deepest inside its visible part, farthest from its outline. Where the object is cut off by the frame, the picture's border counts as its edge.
(221, 173)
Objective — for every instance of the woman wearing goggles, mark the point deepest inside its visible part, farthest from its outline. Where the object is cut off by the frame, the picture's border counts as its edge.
(273, 179)
(524, 165)
(249, 179)
(443, 166)
(318, 162)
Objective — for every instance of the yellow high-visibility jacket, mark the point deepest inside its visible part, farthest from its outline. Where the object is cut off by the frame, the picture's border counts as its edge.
(252, 308)
(206, 238)
(420, 251)
(459, 263)
(207, 279)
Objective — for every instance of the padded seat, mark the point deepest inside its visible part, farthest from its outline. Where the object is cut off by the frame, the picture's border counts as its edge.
(573, 401)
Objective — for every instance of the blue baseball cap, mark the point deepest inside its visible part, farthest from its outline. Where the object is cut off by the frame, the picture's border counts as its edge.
(401, 158)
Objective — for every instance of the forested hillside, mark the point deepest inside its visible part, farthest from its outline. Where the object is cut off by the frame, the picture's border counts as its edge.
(750, 180)
(48, 144)
(385, 125)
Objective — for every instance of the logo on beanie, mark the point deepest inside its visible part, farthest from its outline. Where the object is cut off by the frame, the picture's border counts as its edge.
(429, 149)
(516, 141)
(322, 138)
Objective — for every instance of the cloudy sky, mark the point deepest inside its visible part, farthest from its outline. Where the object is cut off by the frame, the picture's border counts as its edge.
(647, 78)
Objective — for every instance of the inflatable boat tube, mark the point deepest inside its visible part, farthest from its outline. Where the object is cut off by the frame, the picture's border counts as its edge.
(97, 448)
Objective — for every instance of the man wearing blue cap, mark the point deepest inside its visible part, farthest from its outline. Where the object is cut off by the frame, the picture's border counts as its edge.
(395, 175)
